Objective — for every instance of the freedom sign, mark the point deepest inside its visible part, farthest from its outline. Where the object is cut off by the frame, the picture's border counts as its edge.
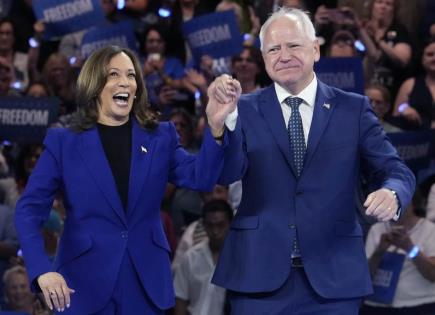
(216, 35)
(119, 34)
(27, 118)
(342, 73)
(68, 16)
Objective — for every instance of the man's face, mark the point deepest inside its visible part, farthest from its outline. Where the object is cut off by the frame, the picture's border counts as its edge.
(289, 55)
(216, 226)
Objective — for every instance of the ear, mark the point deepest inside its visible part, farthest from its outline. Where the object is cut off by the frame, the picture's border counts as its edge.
(316, 48)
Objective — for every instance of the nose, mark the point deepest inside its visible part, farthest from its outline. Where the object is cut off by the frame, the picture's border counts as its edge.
(123, 81)
(286, 53)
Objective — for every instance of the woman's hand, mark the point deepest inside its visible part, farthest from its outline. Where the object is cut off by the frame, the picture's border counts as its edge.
(56, 291)
(223, 94)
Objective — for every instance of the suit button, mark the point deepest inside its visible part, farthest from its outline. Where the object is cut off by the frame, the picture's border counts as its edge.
(292, 226)
(298, 193)
(124, 234)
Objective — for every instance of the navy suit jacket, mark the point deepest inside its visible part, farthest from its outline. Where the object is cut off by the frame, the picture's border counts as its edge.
(344, 134)
(97, 230)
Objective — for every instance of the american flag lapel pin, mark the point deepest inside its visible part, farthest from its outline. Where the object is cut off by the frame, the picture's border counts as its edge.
(326, 105)
(143, 149)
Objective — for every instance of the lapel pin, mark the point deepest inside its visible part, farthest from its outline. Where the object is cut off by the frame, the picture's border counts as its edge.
(143, 149)
(326, 105)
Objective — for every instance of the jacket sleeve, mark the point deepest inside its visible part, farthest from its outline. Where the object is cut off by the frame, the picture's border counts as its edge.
(387, 170)
(200, 171)
(235, 158)
(33, 208)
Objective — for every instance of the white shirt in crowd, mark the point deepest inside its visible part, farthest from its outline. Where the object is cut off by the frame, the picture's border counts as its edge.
(412, 289)
(192, 282)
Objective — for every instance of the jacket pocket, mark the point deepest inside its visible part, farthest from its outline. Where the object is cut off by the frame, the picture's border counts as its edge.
(243, 222)
(348, 228)
(72, 247)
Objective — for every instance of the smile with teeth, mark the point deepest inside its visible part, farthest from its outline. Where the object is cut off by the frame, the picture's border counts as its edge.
(121, 98)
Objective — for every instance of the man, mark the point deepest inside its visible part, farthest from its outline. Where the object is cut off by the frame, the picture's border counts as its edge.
(194, 293)
(295, 245)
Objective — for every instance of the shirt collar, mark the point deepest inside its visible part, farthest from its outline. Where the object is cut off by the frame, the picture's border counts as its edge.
(308, 94)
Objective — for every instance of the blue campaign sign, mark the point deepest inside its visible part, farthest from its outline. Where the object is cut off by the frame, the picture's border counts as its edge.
(26, 118)
(342, 73)
(120, 34)
(216, 35)
(68, 16)
(386, 278)
(416, 148)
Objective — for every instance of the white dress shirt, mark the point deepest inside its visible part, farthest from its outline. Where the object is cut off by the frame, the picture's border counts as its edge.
(306, 109)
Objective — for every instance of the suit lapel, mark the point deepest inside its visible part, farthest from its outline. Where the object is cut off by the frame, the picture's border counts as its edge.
(323, 109)
(271, 110)
(142, 150)
(92, 152)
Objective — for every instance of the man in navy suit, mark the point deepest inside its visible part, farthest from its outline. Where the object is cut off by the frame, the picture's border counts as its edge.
(295, 245)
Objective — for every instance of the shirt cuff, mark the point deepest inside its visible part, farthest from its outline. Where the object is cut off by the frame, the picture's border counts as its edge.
(231, 120)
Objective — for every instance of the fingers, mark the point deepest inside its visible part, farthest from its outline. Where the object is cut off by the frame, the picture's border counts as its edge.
(381, 204)
(47, 299)
(55, 290)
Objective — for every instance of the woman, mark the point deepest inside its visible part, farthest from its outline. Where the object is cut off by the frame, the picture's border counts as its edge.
(248, 68)
(17, 294)
(415, 102)
(160, 70)
(112, 167)
(387, 43)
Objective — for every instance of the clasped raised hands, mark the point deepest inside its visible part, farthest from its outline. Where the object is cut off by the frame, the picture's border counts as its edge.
(223, 94)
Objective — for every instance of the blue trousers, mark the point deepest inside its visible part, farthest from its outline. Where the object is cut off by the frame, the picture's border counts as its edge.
(295, 297)
(128, 297)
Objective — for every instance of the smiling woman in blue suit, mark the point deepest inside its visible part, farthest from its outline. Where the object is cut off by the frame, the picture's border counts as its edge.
(112, 167)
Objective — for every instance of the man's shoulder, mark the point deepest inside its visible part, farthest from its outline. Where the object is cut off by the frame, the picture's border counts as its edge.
(333, 92)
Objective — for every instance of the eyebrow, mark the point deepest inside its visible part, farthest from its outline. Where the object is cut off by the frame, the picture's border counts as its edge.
(114, 68)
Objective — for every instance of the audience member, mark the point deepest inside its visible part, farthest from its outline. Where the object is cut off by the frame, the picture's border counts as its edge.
(413, 237)
(194, 293)
(380, 100)
(415, 102)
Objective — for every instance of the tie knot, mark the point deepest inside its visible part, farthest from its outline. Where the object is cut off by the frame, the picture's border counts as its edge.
(293, 102)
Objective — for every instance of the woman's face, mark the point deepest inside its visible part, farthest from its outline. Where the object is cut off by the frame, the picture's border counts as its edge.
(18, 290)
(382, 9)
(6, 36)
(244, 66)
(380, 106)
(428, 59)
(116, 99)
(154, 43)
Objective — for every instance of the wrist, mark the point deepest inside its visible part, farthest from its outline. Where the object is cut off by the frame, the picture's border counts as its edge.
(413, 253)
(402, 107)
(218, 134)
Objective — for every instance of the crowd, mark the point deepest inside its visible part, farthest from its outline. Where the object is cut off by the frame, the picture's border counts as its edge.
(397, 50)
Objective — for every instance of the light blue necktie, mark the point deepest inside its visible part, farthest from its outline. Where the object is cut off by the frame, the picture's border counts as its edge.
(296, 134)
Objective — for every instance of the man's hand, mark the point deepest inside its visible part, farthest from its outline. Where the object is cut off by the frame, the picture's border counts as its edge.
(381, 204)
(223, 95)
(55, 290)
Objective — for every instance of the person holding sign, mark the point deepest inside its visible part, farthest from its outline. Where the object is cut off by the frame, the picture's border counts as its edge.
(295, 245)
(411, 239)
(112, 167)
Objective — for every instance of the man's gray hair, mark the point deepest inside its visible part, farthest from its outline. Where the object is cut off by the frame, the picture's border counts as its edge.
(298, 16)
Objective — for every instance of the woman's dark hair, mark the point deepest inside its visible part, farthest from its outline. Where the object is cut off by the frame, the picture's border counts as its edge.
(93, 78)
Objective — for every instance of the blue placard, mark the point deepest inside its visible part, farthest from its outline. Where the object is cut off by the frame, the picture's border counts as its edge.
(416, 148)
(216, 35)
(386, 278)
(26, 118)
(68, 16)
(342, 73)
(5, 6)
(120, 34)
